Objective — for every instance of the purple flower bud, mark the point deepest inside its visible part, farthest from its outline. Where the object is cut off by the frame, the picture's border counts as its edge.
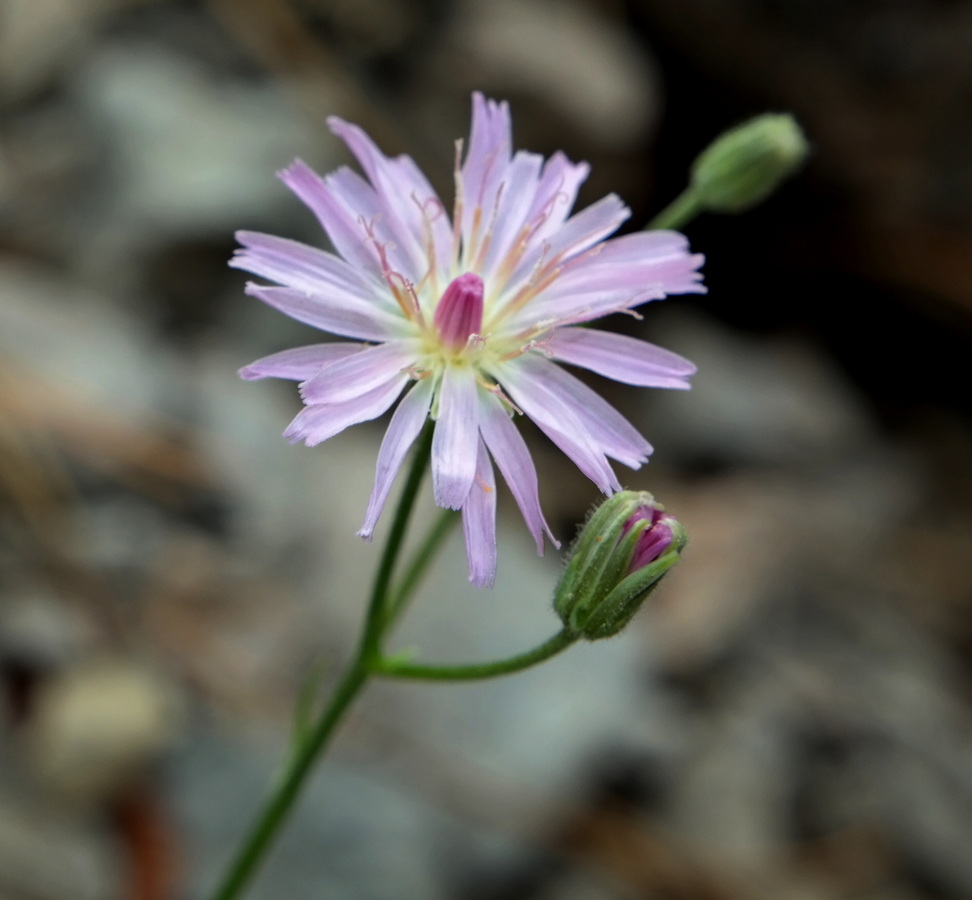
(620, 555)
(654, 540)
(459, 314)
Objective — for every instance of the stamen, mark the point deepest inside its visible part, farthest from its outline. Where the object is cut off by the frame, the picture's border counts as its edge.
(486, 488)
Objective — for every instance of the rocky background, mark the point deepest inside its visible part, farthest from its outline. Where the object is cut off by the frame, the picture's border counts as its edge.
(791, 718)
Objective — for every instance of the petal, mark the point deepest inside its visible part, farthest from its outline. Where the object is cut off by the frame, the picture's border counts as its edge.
(405, 196)
(646, 257)
(361, 203)
(343, 225)
(403, 429)
(316, 424)
(337, 312)
(616, 275)
(590, 225)
(481, 176)
(605, 426)
(479, 522)
(510, 452)
(349, 378)
(557, 193)
(511, 219)
(490, 145)
(579, 233)
(300, 363)
(455, 438)
(297, 265)
(558, 422)
(625, 359)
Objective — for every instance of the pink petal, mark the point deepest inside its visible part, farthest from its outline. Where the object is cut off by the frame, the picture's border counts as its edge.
(316, 424)
(617, 275)
(487, 157)
(556, 193)
(625, 359)
(455, 438)
(296, 265)
(605, 426)
(342, 224)
(559, 422)
(403, 429)
(510, 452)
(479, 522)
(336, 312)
(394, 247)
(406, 197)
(300, 363)
(520, 181)
(356, 375)
(579, 233)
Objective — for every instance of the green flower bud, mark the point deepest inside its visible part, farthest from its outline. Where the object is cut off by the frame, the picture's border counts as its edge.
(743, 166)
(621, 553)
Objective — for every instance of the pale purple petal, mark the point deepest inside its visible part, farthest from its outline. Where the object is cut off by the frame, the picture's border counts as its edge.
(377, 223)
(559, 422)
(616, 275)
(556, 194)
(481, 176)
(510, 452)
(335, 312)
(408, 200)
(605, 426)
(625, 359)
(344, 226)
(479, 522)
(456, 436)
(296, 265)
(316, 424)
(579, 233)
(356, 375)
(512, 219)
(300, 363)
(403, 429)
(489, 148)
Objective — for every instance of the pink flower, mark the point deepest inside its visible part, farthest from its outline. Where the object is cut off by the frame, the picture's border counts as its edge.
(468, 317)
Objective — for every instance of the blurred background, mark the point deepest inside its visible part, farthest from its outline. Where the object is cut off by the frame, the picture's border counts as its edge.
(791, 718)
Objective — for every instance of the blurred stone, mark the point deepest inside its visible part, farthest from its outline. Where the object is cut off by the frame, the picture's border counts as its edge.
(45, 855)
(96, 728)
(183, 157)
(569, 53)
(756, 400)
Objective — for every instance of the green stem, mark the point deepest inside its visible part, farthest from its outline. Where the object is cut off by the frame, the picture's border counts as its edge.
(420, 562)
(287, 790)
(685, 207)
(377, 614)
(311, 740)
(392, 668)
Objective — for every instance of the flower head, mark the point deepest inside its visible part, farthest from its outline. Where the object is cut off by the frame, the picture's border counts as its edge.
(468, 317)
(619, 556)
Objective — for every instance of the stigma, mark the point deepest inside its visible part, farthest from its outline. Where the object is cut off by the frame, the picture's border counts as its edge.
(459, 313)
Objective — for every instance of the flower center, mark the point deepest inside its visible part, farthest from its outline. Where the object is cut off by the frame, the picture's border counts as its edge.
(459, 314)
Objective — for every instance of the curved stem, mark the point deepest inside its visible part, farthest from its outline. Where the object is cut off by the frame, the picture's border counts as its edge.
(685, 207)
(420, 562)
(310, 740)
(391, 668)
(265, 829)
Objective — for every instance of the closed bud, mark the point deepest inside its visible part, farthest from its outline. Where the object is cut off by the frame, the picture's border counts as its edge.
(620, 555)
(742, 167)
